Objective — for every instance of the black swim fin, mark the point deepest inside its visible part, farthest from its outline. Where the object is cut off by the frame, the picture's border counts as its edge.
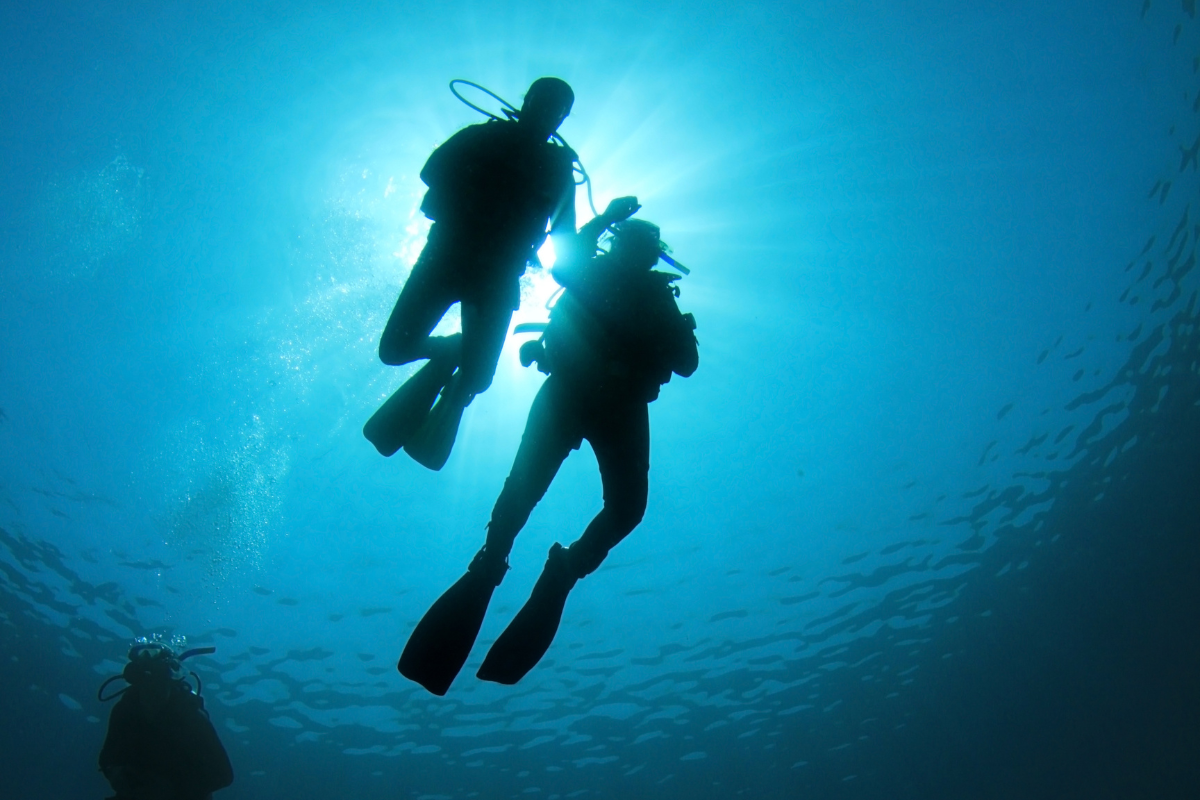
(406, 410)
(443, 639)
(528, 636)
(430, 446)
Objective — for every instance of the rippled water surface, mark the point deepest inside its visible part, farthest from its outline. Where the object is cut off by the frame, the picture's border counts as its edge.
(923, 523)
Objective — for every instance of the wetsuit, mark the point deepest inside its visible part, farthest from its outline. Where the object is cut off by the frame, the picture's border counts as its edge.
(173, 754)
(615, 336)
(492, 190)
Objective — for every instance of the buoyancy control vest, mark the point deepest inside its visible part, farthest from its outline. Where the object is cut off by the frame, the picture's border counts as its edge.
(615, 330)
(496, 181)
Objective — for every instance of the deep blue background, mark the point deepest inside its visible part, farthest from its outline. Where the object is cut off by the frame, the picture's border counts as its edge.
(923, 524)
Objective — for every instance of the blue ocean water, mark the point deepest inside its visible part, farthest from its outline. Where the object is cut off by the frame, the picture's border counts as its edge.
(923, 524)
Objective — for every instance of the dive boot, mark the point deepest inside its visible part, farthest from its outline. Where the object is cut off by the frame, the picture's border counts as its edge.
(442, 640)
(528, 636)
(431, 444)
(398, 419)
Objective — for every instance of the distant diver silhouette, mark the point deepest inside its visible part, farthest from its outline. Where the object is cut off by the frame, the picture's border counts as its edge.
(493, 190)
(160, 743)
(615, 336)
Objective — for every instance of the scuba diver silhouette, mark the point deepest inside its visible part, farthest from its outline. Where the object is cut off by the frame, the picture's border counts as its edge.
(160, 743)
(615, 336)
(493, 188)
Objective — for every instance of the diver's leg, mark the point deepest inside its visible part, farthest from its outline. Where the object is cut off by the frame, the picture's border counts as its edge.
(427, 295)
(551, 433)
(621, 441)
(442, 641)
(484, 327)
(485, 324)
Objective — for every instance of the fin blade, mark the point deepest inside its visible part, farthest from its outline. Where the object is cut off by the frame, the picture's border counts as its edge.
(530, 634)
(401, 416)
(430, 446)
(442, 640)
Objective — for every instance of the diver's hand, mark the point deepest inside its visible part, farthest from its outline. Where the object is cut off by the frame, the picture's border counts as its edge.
(621, 208)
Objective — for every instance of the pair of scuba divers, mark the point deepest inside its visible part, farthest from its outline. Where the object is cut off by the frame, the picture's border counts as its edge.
(614, 337)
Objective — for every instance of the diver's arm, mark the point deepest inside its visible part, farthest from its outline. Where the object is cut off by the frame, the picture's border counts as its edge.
(562, 234)
(445, 162)
(687, 351)
(680, 351)
(577, 249)
(117, 741)
(116, 755)
(209, 766)
(448, 173)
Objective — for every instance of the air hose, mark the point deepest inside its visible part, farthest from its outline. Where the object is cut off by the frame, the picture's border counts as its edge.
(511, 112)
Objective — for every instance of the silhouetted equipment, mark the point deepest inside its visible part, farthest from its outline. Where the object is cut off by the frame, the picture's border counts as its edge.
(613, 339)
(398, 419)
(442, 640)
(529, 635)
(160, 742)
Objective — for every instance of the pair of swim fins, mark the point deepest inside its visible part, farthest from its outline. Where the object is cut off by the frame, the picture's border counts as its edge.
(410, 418)
(443, 639)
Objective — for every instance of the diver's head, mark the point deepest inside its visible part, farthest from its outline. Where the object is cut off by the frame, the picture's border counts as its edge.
(153, 671)
(635, 243)
(547, 104)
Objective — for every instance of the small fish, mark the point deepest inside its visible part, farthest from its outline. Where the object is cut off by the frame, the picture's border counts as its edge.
(154, 564)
